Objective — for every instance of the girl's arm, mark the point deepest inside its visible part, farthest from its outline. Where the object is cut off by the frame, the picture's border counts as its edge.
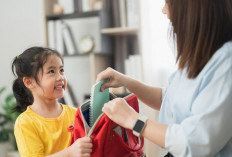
(81, 148)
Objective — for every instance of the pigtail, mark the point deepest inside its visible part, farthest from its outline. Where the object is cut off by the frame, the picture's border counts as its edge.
(22, 95)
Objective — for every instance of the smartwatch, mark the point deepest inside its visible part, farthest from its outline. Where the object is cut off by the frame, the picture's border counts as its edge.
(139, 125)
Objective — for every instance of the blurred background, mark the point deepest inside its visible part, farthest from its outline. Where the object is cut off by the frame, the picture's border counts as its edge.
(130, 36)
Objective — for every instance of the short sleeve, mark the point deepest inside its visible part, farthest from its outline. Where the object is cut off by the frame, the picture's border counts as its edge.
(208, 129)
(28, 142)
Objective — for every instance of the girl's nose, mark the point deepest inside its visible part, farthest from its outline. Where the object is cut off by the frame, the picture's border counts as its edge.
(60, 77)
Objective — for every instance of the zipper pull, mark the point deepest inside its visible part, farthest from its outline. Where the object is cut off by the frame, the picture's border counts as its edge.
(125, 135)
(111, 133)
(70, 128)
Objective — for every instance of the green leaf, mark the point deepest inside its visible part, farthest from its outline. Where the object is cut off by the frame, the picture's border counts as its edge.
(2, 90)
(7, 119)
(3, 120)
(10, 103)
(4, 136)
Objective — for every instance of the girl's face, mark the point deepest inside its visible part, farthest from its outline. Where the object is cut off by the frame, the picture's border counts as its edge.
(165, 10)
(52, 80)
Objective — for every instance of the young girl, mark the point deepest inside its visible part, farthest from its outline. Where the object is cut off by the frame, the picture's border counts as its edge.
(41, 128)
(195, 117)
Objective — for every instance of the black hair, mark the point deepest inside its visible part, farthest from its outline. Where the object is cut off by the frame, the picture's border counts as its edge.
(28, 64)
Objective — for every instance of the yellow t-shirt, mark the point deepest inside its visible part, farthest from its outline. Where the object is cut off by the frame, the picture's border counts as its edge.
(38, 136)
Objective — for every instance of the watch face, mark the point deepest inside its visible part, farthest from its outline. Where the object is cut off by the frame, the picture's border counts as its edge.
(138, 126)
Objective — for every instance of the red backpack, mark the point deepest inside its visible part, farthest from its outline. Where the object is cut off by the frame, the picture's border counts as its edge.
(109, 139)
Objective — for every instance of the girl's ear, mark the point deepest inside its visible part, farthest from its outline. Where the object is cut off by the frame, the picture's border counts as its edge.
(29, 82)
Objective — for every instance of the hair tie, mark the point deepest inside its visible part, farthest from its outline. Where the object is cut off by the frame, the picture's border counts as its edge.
(17, 57)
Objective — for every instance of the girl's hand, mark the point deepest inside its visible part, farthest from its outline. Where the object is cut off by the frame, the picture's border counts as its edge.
(116, 79)
(120, 112)
(82, 147)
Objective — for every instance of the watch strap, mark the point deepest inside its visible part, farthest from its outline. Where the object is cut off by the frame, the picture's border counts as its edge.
(139, 125)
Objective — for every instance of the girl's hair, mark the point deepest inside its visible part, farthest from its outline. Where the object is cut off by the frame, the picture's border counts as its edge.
(200, 28)
(28, 64)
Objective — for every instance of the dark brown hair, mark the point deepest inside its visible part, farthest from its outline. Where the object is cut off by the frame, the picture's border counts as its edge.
(199, 28)
(28, 64)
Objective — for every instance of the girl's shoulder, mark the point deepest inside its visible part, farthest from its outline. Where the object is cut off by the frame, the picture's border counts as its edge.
(69, 109)
(25, 118)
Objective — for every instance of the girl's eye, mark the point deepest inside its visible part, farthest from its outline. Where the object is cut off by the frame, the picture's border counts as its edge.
(51, 71)
(62, 70)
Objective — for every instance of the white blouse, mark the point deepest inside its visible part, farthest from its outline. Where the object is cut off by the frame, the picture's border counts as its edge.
(199, 111)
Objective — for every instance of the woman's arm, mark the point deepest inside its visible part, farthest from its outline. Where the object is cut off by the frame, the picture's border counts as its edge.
(155, 132)
(151, 96)
(121, 113)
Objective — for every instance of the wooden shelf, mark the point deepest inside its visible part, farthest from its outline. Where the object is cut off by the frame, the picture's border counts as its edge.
(120, 31)
(74, 15)
(87, 54)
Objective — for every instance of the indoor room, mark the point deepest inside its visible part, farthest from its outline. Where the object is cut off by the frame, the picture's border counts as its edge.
(133, 47)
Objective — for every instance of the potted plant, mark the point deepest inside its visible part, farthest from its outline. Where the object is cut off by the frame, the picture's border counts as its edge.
(7, 120)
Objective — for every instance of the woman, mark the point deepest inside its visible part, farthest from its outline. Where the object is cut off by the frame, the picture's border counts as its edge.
(196, 107)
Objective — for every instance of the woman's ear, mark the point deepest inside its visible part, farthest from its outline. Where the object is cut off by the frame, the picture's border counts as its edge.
(29, 82)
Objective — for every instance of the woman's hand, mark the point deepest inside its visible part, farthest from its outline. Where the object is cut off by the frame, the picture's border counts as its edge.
(82, 147)
(116, 79)
(120, 112)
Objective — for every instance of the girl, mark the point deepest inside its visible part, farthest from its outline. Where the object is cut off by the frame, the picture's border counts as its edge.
(41, 129)
(196, 107)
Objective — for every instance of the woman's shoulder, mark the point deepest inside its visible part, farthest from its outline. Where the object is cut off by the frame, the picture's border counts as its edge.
(220, 62)
(225, 52)
(218, 70)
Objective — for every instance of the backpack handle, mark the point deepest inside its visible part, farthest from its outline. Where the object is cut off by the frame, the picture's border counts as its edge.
(127, 137)
(131, 149)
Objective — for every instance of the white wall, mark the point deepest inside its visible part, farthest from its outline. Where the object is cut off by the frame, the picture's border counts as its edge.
(158, 58)
(21, 26)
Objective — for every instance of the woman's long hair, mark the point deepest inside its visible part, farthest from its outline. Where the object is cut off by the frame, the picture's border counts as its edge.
(199, 28)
